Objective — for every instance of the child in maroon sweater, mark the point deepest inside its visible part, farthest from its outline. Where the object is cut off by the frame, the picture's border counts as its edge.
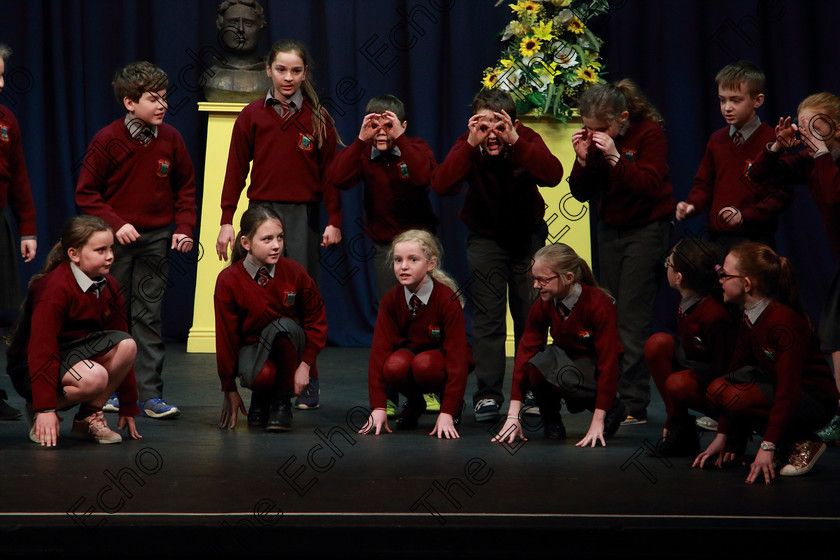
(818, 165)
(581, 364)
(503, 162)
(738, 209)
(137, 176)
(622, 163)
(779, 384)
(420, 341)
(396, 171)
(14, 193)
(74, 312)
(270, 324)
(685, 364)
(285, 142)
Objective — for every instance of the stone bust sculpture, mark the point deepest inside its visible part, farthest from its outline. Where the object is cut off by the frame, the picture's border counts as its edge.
(241, 76)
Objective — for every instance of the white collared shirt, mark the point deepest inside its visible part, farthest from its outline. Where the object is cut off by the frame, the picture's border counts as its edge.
(424, 293)
(85, 282)
(754, 312)
(252, 267)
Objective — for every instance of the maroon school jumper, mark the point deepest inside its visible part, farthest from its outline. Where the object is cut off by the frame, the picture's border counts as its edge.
(502, 200)
(721, 182)
(439, 325)
(635, 192)
(58, 312)
(396, 187)
(244, 309)
(821, 173)
(287, 163)
(14, 181)
(589, 331)
(707, 332)
(782, 345)
(146, 185)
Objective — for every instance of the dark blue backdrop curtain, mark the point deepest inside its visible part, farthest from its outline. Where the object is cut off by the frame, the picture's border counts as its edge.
(431, 54)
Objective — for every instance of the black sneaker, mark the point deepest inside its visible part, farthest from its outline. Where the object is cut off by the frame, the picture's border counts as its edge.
(614, 418)
(410, 414)
(279, 416)
(554, 429)
(681, 440)
(8, 412)
(258, 410)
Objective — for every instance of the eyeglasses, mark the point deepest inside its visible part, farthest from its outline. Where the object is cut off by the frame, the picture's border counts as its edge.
(542, 282)
(668, 263)
(722, 275)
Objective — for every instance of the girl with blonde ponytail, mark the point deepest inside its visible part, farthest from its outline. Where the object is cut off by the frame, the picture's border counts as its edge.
(420, 340)
(779, 383)
(581, 364)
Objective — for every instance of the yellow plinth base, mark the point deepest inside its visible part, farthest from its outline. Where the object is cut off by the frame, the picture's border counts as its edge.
(567, 219)
(221, 117)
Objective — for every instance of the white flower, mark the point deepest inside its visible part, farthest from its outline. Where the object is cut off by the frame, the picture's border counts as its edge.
(564, 55)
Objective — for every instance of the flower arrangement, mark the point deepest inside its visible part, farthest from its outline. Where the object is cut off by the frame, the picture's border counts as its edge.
(550, 56)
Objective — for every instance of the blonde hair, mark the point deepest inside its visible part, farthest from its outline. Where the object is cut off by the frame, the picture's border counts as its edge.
(561, 258)
(828, 105)
(431, 247)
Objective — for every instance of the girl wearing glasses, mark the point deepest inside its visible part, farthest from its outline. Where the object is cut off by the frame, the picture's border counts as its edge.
(682, 366)
(581, 365)
(779, 384)
(818, 165)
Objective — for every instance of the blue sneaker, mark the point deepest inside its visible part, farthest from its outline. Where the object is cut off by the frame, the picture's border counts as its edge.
(113, 404)
(308, 399)
(157, 408)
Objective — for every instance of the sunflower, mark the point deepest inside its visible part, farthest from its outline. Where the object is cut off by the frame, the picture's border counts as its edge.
(491, 77)
(575, 26)
(588, 74)
(529, 46)
(526, 8)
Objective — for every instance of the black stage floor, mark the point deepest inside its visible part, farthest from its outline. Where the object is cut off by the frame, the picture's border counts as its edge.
(189, 489)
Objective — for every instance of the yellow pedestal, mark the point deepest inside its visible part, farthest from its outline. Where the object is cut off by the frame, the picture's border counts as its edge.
(221, 117)
(567, 219)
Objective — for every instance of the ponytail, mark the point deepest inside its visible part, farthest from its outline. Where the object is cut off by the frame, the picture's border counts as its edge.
(771, 275)
(75, 235)
(608, 101)
(561, 258)
(249, 223)
(321, 119)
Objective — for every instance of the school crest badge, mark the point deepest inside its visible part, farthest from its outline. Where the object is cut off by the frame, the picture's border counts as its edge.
(434, 332)
(403, 170)
(768, 353)
(163, 167)
(289, 298)
(747, 165)
(629, 155)
(306, 142)
(4, 132)
(585, 336)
